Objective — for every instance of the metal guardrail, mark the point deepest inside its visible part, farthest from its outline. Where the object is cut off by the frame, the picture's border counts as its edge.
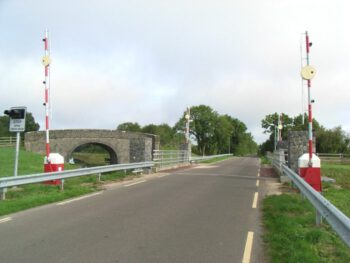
(339, 222)
(6, 182)
(325, 209)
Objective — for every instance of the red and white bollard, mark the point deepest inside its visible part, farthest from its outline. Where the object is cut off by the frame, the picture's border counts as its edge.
(312, 175)
(55, 163)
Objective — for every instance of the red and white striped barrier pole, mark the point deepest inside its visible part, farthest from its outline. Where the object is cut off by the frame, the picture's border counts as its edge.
(46, 63)
(307, 42)
(309, 164)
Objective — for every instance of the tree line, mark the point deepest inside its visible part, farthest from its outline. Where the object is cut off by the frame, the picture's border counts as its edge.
(334, 140)
(210, 132)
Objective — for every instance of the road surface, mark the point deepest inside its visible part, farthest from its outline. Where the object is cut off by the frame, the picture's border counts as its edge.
(209, 213)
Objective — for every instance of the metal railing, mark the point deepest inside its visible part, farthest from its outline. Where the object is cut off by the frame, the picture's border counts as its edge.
(7, 141)
(6, 182)
(173, 158)
(334, 157)
(170, 158)
(324, 209)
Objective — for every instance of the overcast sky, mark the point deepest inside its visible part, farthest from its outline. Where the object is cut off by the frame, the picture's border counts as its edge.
(145, 61)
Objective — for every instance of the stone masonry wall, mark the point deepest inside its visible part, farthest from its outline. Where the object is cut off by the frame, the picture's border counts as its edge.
(298, 144)
(123, 147)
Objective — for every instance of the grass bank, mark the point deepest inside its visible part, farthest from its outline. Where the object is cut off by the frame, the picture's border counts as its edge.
(217, 159)
(339, 192)
(292, 236)
(290, 231)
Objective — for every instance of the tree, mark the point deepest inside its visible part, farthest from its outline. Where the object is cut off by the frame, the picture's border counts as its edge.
(202, 127)
(31, 125)
(216, 133)
(327, 140)
(165, 132)
(129, 126)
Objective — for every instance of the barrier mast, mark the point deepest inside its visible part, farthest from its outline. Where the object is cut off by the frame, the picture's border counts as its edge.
(46, 63)
(308, 45)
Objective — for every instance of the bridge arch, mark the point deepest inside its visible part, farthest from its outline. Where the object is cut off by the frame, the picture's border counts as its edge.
(113, 158)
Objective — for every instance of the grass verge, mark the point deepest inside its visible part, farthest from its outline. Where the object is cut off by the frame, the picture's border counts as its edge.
(337, 193)
(292, 236)
(217, 159)
(28, 196)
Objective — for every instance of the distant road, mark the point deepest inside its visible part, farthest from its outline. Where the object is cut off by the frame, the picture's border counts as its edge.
(202, 214)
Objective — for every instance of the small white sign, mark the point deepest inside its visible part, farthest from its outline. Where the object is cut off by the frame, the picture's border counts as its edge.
(17, 125)
(17, 119)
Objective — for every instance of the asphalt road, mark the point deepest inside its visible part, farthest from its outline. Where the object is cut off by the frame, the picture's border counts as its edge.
(202, 214)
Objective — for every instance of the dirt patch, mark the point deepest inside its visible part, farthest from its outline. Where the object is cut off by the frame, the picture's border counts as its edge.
(170, 170)
(266, 171)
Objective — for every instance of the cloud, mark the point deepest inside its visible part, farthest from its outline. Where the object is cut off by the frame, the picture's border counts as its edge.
(117, 61)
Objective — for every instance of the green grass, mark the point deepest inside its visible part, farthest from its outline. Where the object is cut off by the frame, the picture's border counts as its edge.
(28, 163)
(337, 193)
(264, 160)
(292, 236)
(217, 159)
(28, 196)
(92, 159)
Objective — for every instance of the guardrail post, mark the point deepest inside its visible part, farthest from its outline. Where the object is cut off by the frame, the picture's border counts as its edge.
(62, 185)
(3, 193)
(99, 176)
(318, 218)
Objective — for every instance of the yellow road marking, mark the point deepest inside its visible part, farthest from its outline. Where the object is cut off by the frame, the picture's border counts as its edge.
(255, 200)
(248, 247)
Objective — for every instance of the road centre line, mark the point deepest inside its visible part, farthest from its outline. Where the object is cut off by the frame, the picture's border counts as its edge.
(248, 247)
(139, 182)
(255, 200)
(257, 183)
(78, 198)
(6, 219)
(253, 177)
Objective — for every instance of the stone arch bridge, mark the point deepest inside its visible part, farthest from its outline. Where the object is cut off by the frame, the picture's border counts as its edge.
(123, 147)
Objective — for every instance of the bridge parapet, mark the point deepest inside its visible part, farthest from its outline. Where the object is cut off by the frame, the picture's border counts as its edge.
(123, 147)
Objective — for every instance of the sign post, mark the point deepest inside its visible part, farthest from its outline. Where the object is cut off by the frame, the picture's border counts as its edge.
(17, 124)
